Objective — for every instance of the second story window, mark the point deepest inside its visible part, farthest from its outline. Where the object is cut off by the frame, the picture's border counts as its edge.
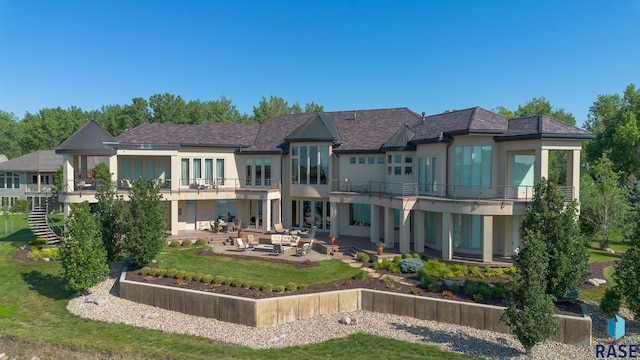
(472, 167)
(310, 164)
(258, 172)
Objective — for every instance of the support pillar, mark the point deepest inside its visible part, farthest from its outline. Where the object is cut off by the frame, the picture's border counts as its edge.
(418, 231)
(277, 214)
(542, 164)
(174, 217)
(573, 173)
(333, 218)
(447, 236)
(487, 238)
(266, 216)
(389, 232)
(405, 231)
(113, 168)
(374, 235)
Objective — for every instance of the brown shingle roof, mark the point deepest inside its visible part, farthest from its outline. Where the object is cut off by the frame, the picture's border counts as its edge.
(473, 120)
(90, 139)
(541, 126)
(209, 134)
(42, 161)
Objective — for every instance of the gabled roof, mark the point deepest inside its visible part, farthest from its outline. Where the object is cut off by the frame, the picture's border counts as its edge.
(461, 122)
(37, 161)
(541, 127)
(90, 139)
(207, 134)
(320, 127)
(400, 140)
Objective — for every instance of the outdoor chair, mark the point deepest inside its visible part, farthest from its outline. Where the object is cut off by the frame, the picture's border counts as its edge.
(304, 249)
(276, 239)
(286, 240)
(241, 245)
(277, 249)
(279, 229)
(251, 240)
(311, 234)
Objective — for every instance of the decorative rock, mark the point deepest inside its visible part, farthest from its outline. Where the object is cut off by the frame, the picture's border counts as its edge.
(90, 300)
(145, 316)
(600, 281)
(46, 259)
(2, 356)
(610, 250)
(345, 320)
(354, 321)
(593, 282)
(448, 283)
(154, 262)
(35, 358)
(101, 302)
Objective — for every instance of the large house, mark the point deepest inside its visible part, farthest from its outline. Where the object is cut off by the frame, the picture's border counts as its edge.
(29, 177)
(452, 183)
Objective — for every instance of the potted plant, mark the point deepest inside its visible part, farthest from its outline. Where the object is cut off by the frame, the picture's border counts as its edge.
(380, 247)
(332, 239)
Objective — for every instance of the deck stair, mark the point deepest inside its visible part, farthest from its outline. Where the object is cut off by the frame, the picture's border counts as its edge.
(38, 222)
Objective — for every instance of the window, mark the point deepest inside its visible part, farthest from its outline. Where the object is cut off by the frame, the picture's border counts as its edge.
(408, 170)
(408, 159)
(467, 231)
(9, 180)
(431, 219)
(208, 171)
(258, 172)
(397, 170)
(380, 159)
(352, 160)
(197, 169)
(388, 170)
(370, 160)
(361, 160)
(389, 159)
(267, 172)
(249, 173)
(397, 158)
(360, 214)
(310, 164)
(522, 170)
(427, 175)
(472, 167)
(220, 171)
(184, 172)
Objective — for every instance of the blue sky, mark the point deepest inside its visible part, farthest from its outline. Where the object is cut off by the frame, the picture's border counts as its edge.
(428, 56)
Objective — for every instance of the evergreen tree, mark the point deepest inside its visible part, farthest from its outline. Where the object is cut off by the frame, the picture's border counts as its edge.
(82, 255)
(146, 226)
(530, 310)
(110, 217)
(627, 272)
(566, 248)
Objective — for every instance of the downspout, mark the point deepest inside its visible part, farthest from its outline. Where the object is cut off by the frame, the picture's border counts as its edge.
(447, 169)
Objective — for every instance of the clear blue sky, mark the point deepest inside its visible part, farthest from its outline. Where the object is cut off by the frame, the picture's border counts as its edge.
(429, 56)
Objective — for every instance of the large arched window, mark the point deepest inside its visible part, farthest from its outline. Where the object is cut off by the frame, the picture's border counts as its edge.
(9, 180)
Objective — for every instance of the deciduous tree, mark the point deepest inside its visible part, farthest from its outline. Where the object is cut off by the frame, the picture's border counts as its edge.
(627, 271)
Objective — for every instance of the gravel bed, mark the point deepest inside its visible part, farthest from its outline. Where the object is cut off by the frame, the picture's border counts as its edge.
(449, 337)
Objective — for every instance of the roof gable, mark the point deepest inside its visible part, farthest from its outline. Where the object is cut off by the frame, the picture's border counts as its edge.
(37, 161)
(400, 140)
(320, 127)
(541, 127)
(90, 139)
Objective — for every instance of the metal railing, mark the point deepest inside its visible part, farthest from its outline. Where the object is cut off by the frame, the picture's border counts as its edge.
(452, 191)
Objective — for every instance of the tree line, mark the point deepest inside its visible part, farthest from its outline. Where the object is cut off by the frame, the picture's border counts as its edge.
(47, 128)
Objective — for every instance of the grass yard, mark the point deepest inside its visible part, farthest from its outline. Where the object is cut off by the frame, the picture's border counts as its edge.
(596, 294)
(619, 246)
(34, 321)
(254, 270)
(597, 255)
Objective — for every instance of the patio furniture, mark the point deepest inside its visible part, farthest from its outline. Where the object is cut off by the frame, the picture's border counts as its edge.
(241, 245)
(304, 249)
(251, 240)
(276, 239)
(279, 229)
(311, 234)
(277, 249)
(286, 239)
(125, 184)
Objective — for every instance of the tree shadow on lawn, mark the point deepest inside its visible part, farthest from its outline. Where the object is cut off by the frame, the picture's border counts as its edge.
(48, 285)
(463, 342)
(18, 238)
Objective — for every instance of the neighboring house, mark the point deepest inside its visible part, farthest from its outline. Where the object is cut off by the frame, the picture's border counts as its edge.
(452, 183)
(28, 177)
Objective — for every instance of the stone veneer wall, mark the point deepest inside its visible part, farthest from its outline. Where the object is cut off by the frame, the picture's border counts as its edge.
(283, 309)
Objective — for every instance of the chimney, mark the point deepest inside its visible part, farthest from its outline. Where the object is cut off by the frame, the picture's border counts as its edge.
(423, 116)
(354, 114)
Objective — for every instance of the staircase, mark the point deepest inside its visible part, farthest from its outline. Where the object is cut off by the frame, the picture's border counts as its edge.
(39, 225)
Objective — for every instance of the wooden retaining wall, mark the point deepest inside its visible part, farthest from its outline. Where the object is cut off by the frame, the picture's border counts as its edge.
(278, 310)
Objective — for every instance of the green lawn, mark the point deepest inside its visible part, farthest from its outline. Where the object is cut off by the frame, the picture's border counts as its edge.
(33, 311)
(618, 245)
(255, 270)
(596, 294)
(597, 255)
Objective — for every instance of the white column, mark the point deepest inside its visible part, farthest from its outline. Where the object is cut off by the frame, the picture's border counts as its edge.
(277, 214)
(374, 234)
(418, 231)
(487, 238)
(405, 231)
(333, 217)
(68, 174)
(175, 172)
(174, 217)
(113, 168)
(573, 172)
(389, 232)
(542, 164)
(447, 233)
(266, 216)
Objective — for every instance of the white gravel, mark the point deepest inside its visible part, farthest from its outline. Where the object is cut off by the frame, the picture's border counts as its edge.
(449, 337)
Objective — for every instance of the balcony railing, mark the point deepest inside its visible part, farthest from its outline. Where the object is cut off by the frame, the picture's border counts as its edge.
(34, 187)
(462, 192)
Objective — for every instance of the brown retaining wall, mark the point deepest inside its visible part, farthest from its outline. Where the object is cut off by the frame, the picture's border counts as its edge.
(283, 309)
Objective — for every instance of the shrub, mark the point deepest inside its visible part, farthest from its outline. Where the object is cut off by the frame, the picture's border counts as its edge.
(476, 272)
(415, 291)
(172, 272)
(174, 243)
(247, 284)
(443, 272)
(291, 286)
(35, 254)
(410, 265)
(51, 253)
(148, 278)
(407, 256)
(397, 259)
(218, 280)
(500, 290)
(280, 288)
(161, 272)
(364, 257)
(478, 298)
(266, 287)
(207, 279)
(145, 270)
(201, 242)
(198, 277)
(455, 288)
(307, 262)
(189, 276)
(417, 256)
(302, 286)
(228, 281)
(256, 285)
(180, 281)
(459, 270)
(511, 270)
(498, 272)
(470, 287)
(38, 243)
(434, 286)
(186, 242)
(376, 266)
(610, 302)
(361, 275)
(485, 290)
(182, 273)
(237, 283)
